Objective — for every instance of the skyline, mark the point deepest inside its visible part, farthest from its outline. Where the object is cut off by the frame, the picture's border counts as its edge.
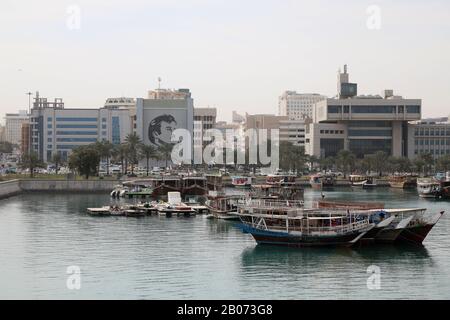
(225, 52)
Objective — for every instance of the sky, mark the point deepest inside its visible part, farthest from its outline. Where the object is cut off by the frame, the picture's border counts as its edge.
(233, 55)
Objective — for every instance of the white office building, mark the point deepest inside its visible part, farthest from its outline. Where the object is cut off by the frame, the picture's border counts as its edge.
(298, 106)
(56, 129)
(361, 124)
(13, 126)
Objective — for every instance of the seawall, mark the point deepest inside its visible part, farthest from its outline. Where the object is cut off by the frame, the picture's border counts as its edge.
(15, 187)
(9, 188)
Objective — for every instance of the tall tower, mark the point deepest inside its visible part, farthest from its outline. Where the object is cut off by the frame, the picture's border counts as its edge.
(344, 87)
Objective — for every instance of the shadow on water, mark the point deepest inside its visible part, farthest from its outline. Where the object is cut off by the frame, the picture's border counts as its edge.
(263, 255)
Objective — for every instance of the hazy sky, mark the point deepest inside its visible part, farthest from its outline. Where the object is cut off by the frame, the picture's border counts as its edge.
(235, 55)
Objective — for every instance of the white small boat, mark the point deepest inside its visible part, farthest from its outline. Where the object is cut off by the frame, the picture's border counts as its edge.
(428, 187)
(103, 211)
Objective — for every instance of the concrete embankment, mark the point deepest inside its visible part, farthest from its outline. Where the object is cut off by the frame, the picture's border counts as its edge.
(100, 186)
(15, 187)
(9, 188)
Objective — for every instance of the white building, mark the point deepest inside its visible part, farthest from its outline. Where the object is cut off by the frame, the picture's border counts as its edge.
(120, 103)
(204, 119)
(297, 106)
(164, 111)
(432, 137)
(361, 124)
(56, 129)
(13, 126)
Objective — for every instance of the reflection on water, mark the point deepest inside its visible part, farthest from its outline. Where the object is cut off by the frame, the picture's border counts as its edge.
(197, 258)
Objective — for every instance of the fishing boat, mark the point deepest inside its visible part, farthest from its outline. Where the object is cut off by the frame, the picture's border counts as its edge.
(277, 192)
(320, 182)
(134, 211)
(445, 190)
(163, 185)
(241, 182)
(194, 186)
(101, 212)
(214, 182)
(365, 182)
(223, 206)
(288, 224)
(281, 179)
(403, 181)
(296, 227)
(428, 187)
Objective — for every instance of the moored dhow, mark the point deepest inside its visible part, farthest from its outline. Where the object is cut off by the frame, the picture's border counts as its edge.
(428, 187)
(320, 182)
(403, 181)
(290, 225)
(302, 228)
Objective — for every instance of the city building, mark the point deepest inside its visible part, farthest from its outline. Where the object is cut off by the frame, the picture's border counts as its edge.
(120, 103)
(2, 133)
(289, 130)
(163, 112)
(25, 142)
(237, 118)
(429, 136)
(56, 129)
(204, 119)
(13, 126)
(361, 124)
(298, 106)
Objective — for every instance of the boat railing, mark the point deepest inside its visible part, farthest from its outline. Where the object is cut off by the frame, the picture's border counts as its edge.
(272, 203)
(334, 226)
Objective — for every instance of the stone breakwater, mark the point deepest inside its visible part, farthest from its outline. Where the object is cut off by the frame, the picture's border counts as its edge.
(14, 187)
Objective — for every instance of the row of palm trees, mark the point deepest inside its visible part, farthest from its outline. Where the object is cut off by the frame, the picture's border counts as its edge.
(129, 153)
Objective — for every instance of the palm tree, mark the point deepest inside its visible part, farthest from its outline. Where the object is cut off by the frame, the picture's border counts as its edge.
(31, 161)
(133, 141)
(105, 149)
(57, 161)
(148, 152)
(346, 159)
(119, 153)
(165, 151)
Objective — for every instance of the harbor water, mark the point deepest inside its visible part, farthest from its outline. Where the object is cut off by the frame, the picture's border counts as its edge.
(42, 235)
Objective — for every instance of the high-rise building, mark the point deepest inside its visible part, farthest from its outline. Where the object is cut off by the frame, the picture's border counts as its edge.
(164, 111)
(13, 126)
(429, 136)
(204, 119)
(298, 106)
(361, 124)
(2, 133)
(56, 129)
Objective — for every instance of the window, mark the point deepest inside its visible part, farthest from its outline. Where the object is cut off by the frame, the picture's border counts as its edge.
(104, 126)
(77, 133)
(373, 109)
(77, 119)
(49, 126)
(370, 133)
(412, 109)
(334, 109)
(76, 139)
(76, 126)
(49, 133)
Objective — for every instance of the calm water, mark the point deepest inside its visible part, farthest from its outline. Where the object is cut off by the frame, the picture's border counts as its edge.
(195, 258)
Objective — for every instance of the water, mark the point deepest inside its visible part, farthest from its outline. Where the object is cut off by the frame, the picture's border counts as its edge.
(196, 258)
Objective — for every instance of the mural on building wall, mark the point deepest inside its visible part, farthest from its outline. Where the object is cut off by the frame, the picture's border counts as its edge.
(160, 129)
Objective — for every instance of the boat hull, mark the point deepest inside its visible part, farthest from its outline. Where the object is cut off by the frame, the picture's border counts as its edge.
(267, 237)
(415, 235)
